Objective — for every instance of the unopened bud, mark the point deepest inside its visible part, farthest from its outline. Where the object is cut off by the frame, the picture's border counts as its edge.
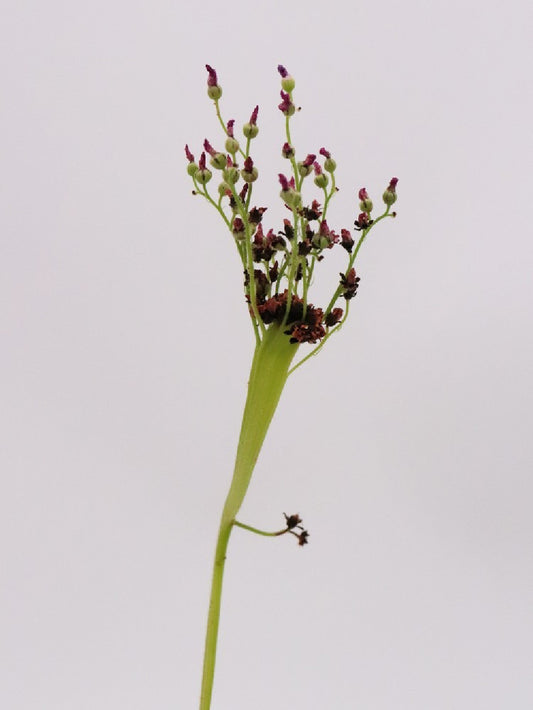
(287, 151)
(224, 189)
(287, 82)
(330, 165)
(231, 175)
(250, 130)
(203, 175)
(218, 161)
(321, 180)
(249, 173)
(214, 91)
(232, 145)
(389, 196)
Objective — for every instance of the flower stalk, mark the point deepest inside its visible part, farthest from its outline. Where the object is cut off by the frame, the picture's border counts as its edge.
(268, 375)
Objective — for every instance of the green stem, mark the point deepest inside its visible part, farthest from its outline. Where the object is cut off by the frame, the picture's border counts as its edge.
(268, 375)
(260, 532)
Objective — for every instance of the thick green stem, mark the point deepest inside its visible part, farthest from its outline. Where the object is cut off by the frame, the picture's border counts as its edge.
(270, 366)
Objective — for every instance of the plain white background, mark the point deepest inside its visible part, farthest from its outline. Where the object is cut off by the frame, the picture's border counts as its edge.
(406, 446)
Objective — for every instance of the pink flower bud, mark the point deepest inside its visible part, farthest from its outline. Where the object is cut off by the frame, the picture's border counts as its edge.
(212, 76)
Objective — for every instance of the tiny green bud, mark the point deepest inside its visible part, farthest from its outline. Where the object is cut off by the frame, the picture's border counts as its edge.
(321, 180)
(389, 197)
(250, 130)
(366, 205)
(218, 161)
(214, 92)
(223, 188)
(288, 84)
(192, 169)
(330, 165)
(232, 145)
(250, 175)
(203, 176)
(231, 175)
(304, 169)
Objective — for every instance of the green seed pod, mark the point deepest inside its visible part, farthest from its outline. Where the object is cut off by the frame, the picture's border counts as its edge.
(330, 165)
(192, 169)
(223, 188)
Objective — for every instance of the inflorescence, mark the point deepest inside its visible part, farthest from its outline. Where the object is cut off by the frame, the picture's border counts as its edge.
(279, 265)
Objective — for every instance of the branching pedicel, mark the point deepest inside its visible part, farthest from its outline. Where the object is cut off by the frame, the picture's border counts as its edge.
(279, 267)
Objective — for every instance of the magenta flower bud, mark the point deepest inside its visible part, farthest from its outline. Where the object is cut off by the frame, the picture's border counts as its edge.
(218, 160)
(249, 173)
(192, 168)
(324, 229)
(284, 183)
(363, 221)
(238, 229)
(365, 204)
(212, 76)
(287, 151)
(287, 82)
(346, 240)
(231, 144)
(203, 174)
(306, 166)
(209, 148)
(214, 91)
(253, 117)
(329, 163)
(286, 106)
(323, 239)
(251, 129)
(389, 196)
(321, 180)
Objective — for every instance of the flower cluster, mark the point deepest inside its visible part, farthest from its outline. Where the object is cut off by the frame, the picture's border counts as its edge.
(279, 264)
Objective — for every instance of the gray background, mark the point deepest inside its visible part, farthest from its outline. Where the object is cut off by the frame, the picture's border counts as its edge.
(406, 446)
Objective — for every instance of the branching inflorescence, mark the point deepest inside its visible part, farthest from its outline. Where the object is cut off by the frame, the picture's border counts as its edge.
(279, 265)
(283, 261)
